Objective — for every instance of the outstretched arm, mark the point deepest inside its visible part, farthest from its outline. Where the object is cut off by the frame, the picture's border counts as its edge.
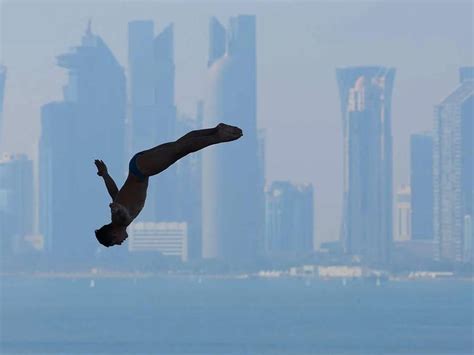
(109, 182)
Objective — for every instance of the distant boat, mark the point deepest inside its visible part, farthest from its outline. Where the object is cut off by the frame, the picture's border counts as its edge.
(92, 283)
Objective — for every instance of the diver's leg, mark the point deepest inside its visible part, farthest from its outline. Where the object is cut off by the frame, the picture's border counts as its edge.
(201, 132)
(159, 158)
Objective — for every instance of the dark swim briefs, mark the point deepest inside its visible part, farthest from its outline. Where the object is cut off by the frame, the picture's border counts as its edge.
(133, 168)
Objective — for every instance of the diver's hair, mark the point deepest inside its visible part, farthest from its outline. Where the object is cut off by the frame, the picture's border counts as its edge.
(103, 235)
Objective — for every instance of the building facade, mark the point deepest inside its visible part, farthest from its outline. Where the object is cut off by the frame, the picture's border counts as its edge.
(167, 238)
(421, 180)
(232, 197)
(453, 162)
(289, 222)
(365, 94)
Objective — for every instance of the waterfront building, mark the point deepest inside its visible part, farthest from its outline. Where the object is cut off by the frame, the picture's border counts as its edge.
(453, 162)
(365, 94)
(166, 238)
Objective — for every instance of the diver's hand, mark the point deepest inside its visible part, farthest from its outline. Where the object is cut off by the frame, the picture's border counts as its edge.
(101, 167)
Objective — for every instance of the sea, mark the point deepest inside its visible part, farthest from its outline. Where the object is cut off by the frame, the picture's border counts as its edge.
(199, 315)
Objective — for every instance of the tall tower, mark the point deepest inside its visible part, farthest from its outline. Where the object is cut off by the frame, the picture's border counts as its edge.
(453, 162)
(421, 181)
(365, 94)
(231, 193)
(153, 110)
(3, 75)
(87, 124)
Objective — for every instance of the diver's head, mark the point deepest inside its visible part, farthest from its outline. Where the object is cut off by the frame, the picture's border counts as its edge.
(109, 235)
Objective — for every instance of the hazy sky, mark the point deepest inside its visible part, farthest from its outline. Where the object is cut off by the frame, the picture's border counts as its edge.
(299, 46)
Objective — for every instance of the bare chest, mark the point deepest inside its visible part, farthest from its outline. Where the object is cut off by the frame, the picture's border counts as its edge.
(132, 195)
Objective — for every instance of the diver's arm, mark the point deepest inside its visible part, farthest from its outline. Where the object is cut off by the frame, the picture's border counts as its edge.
(109, 182)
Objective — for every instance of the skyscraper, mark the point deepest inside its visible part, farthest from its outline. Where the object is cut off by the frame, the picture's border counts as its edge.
(16, 201)
(421, 180)
(365, 94)
(87, 124)
(453, 162)
(231, 193)
(3, 75)
(289, 219)
(153, 110)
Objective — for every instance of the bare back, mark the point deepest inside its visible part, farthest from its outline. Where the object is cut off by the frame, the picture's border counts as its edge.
(132, 195)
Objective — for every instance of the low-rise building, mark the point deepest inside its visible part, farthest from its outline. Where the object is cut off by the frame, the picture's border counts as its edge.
(167, 238)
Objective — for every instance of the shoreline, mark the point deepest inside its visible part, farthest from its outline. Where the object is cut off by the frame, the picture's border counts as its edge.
(147, 275)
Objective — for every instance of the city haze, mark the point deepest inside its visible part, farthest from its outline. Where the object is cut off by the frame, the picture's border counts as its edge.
(299, 46)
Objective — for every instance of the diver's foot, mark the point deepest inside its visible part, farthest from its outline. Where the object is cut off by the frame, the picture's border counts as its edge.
(228, 133)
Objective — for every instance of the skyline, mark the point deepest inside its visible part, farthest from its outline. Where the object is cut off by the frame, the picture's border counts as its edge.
(96, 82)
(299, 104)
